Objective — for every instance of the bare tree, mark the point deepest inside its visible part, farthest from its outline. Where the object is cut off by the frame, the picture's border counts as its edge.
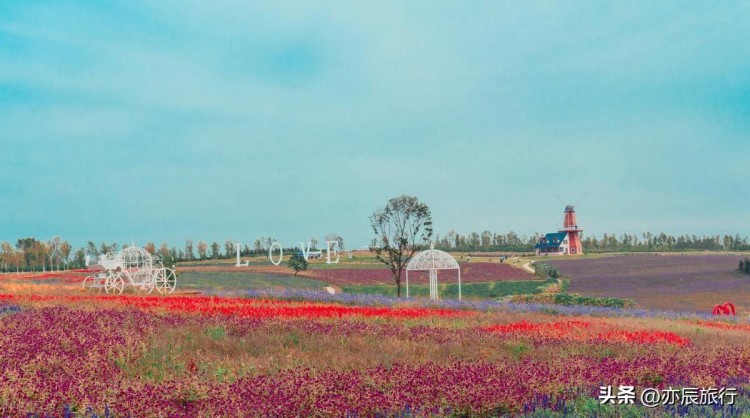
(65, 250)
(189, 250)
(402, 228)
(229, 248)
(53, 252)
(164, 250)
(202, 250)
(337, 238)
(6, 255)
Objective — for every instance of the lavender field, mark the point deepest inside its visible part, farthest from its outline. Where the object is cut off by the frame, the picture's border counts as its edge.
(675, 282)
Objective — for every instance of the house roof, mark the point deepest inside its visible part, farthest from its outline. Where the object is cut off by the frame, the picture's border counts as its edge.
(551, 240)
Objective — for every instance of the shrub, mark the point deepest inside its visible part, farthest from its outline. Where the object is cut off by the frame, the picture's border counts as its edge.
(573, 299)
(546, 270)
(297, 262)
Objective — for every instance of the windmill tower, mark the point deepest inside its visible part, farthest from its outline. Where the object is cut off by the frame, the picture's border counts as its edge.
(570, 226)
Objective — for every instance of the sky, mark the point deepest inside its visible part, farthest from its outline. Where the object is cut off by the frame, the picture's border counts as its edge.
(179, 119)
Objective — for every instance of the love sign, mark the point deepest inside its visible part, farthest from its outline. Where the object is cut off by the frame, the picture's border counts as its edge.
(331, 249)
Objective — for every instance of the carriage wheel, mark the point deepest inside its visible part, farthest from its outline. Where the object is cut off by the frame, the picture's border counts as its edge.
(91, 283)
(88, 282)
(147, 286)
(166, 281)
(114, 284)
(142, 283)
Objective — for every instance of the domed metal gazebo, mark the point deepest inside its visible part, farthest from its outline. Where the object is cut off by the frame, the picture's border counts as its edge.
(433, 260)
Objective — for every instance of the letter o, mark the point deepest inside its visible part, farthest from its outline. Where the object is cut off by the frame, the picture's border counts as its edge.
(270, 253)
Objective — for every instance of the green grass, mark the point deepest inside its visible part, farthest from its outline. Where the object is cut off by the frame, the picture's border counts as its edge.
(237, 281)
(485, 290)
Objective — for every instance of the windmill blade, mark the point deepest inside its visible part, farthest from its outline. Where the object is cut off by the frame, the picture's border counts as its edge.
(579, 199)
(561, 201)
(558, 224)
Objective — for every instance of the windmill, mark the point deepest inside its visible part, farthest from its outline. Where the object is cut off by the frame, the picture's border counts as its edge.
(570, 226)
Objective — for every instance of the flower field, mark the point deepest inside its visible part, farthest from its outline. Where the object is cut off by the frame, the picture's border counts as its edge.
(470, 273)
(239, 307)
(671, 282)
(155, 356)
(68, 277)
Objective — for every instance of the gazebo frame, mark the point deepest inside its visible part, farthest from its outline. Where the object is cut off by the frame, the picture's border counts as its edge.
(433, 260)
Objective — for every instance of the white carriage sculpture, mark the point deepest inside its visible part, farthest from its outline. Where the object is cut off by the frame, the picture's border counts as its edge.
(132, 266)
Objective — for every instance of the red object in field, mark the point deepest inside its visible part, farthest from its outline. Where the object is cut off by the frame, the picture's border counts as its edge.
(725, 309)
(570, 225)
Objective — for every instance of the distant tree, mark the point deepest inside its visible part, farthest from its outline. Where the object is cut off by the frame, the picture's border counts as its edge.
(27, 249)
(313, 244)
(150, 248)
(53, 252)
(24, 244)
(474, 240)
(79, 259)
(258, 246)
(401, 229)
(168, 256)
(6, 255)
(65, 249)
(450, 238)
(297, 262)
(39, 255)
(486, 239)
(229, 248)
(336, 238)
(189, 255)
(18, 259)
(164, 250)
(202, 250)
(215, 250)
(91, 249)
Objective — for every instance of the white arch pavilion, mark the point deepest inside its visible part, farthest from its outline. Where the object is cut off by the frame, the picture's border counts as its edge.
(433, 260)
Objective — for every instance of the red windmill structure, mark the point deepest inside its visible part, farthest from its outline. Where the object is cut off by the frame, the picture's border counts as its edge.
(570, 226)
(567, 241)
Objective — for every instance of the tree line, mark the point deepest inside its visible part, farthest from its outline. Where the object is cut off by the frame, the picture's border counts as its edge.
(31, 255)
(645, 242)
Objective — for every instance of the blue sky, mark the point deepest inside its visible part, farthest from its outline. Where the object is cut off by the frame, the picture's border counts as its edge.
(161, 121)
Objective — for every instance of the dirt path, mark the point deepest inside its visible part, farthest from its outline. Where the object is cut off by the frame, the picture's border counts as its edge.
(519, 264)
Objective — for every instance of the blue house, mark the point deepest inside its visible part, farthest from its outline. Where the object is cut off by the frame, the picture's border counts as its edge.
(555, 243)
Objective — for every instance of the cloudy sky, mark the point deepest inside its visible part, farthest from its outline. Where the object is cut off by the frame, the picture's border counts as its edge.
(175, 119)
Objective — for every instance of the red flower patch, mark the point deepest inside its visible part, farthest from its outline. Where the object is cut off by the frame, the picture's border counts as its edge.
(586, 331)
(247, 308)
(644, 337)
(724, 325)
